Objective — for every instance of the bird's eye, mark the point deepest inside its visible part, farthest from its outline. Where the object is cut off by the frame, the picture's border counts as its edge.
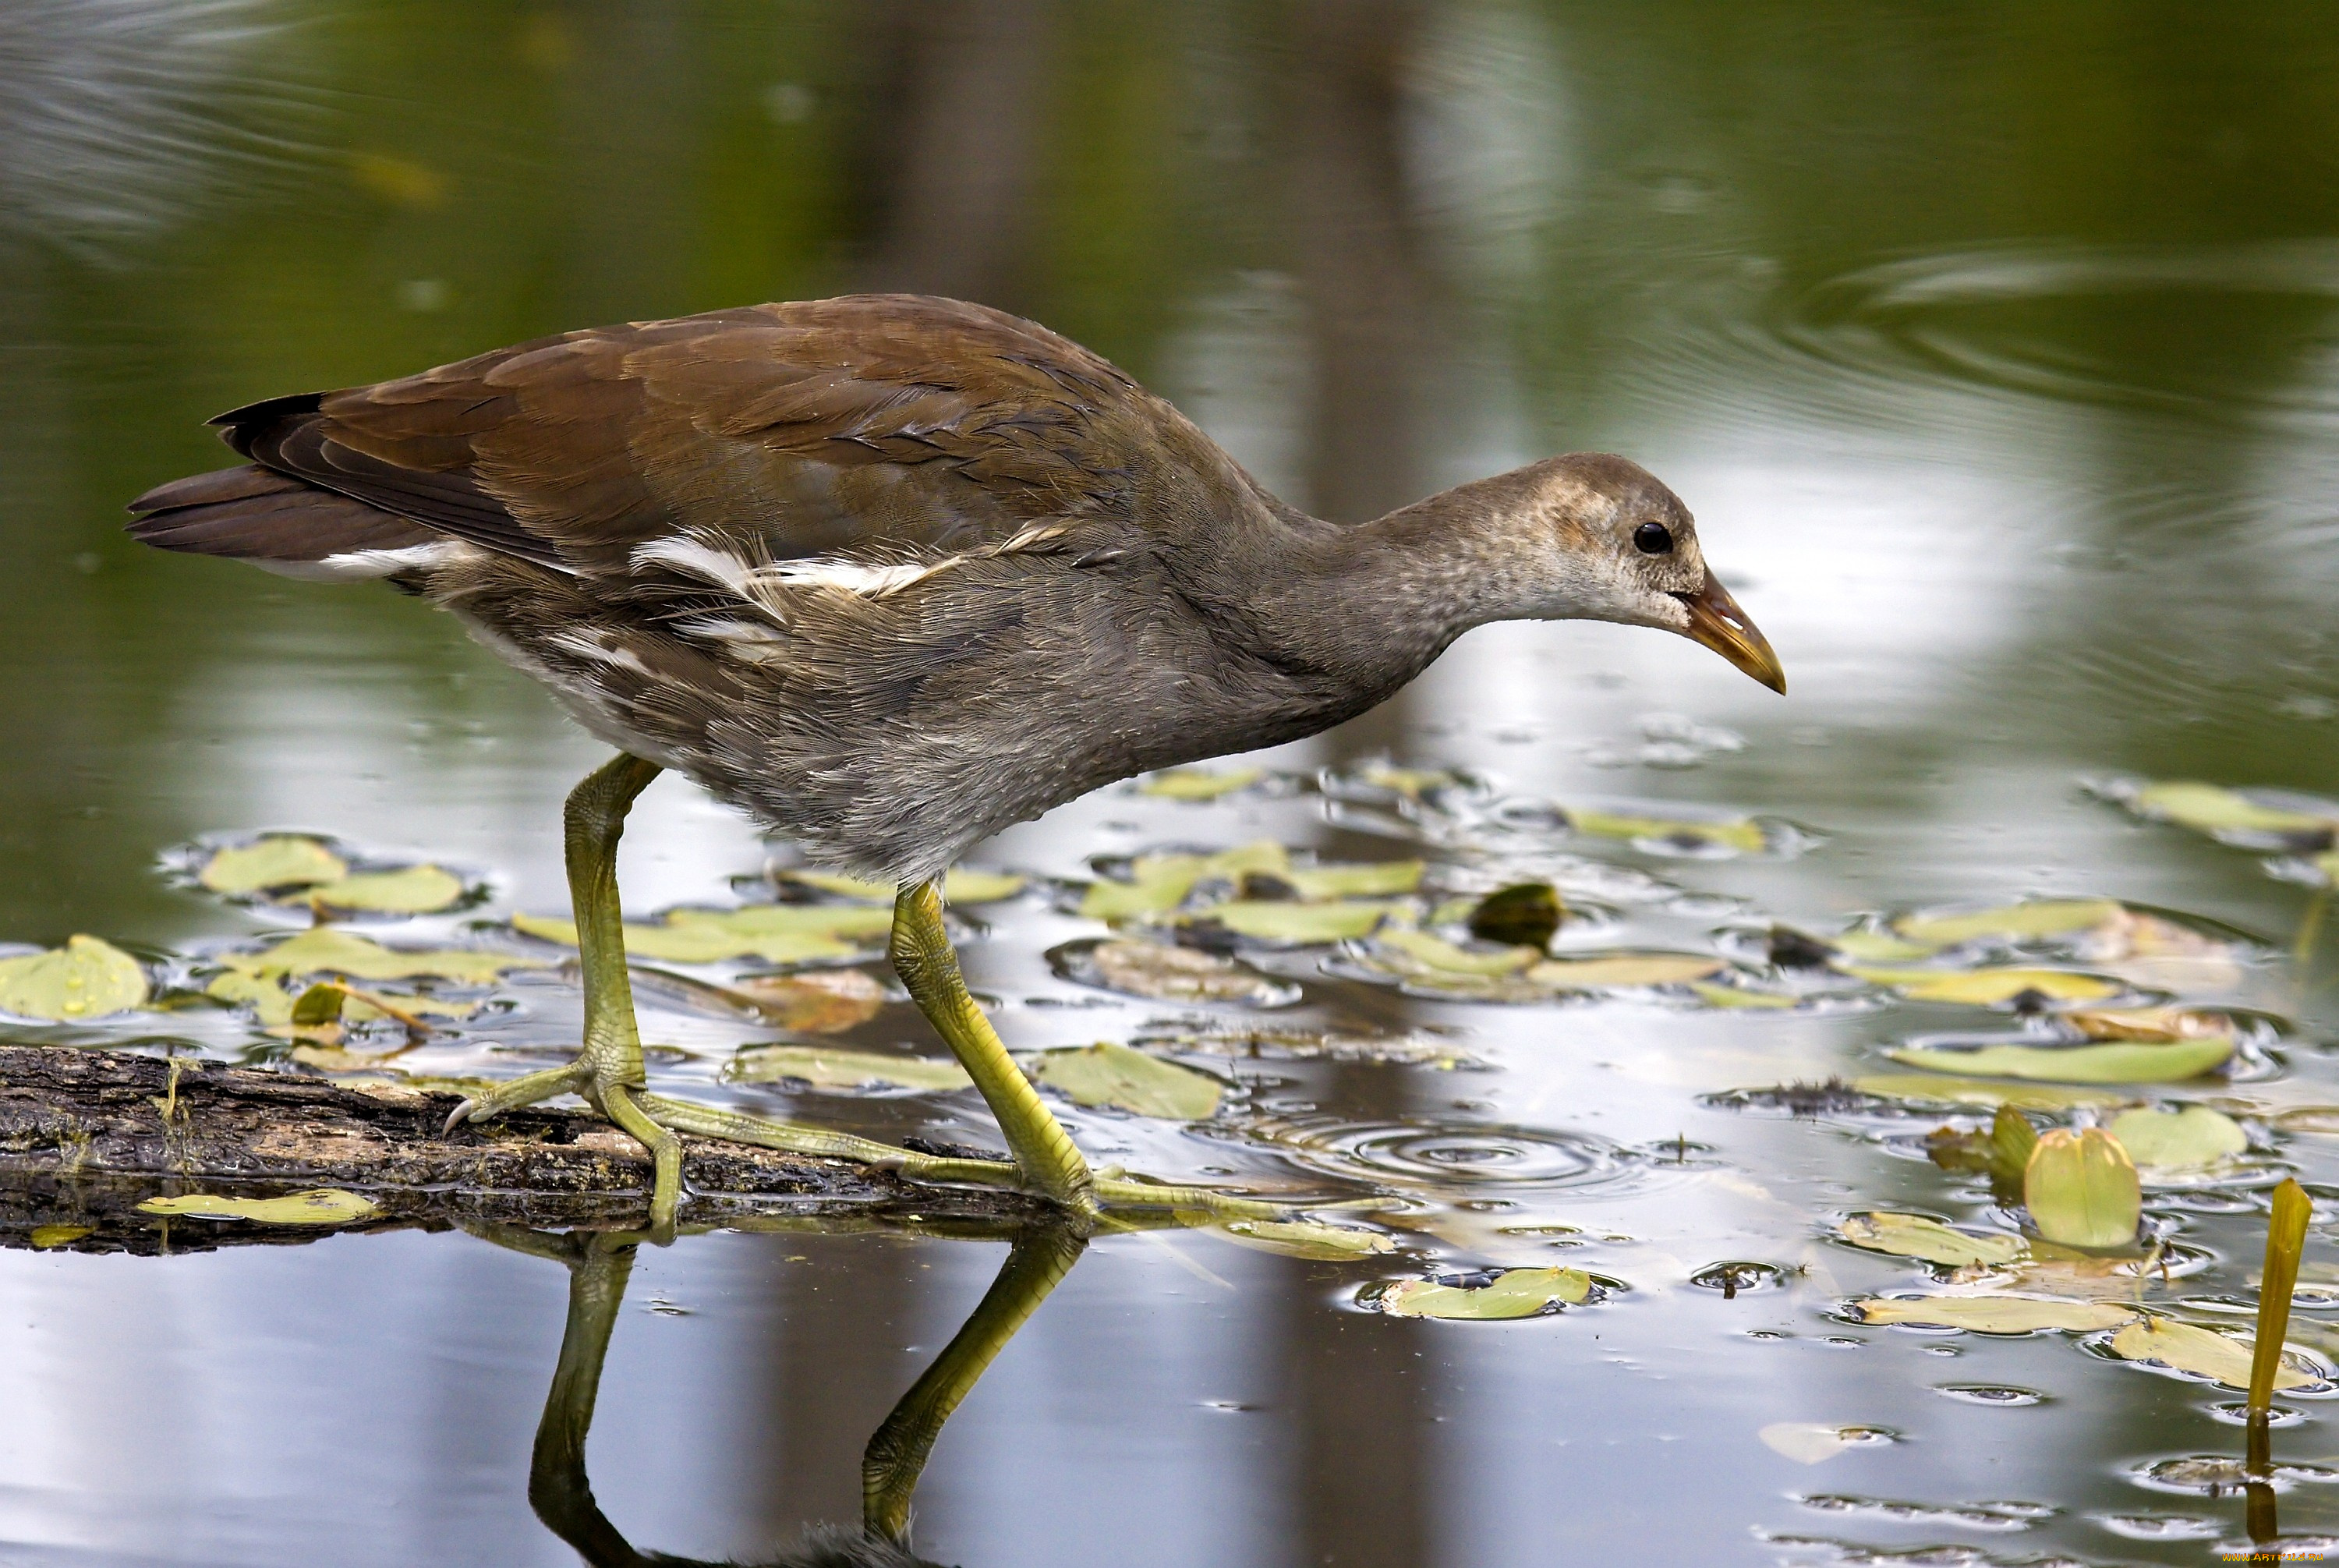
(1652, 539)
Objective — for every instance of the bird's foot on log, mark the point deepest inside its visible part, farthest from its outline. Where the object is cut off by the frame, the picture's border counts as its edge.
(655, 1119)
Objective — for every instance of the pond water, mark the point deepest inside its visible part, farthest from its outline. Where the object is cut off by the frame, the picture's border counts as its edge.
(1997, 353)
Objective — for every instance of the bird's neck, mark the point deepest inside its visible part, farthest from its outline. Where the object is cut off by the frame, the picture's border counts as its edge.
(1372, 604)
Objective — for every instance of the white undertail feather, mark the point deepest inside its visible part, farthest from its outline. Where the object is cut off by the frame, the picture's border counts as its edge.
(366, 566)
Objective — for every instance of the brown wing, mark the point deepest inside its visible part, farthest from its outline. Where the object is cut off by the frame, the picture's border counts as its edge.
(895, 423)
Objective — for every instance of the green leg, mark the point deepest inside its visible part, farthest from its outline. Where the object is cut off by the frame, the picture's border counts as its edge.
(558, 1486)
(1044, 1153)
(897, 1454)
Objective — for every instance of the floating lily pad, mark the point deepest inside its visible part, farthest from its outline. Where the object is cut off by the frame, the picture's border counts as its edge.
(2203, 1353)
(416, 889)
(1734, 835)
(1113, 1075)
(2254, 818)
(817, 1002)
(2081, 1189)
(1938, 1088)
(85, 979)
(1417, 950)
(1868, 946)
(1158, 883)
(1739, 996)
(1199, 783)
(1986, 987)
(329, 950)
(47, 1236)
(2113, 1062)
(823, 1067)
(1514, 1293)
(1162, 973)
(2160, 1025)
(1931, 1241)
(961, 885)
(775, 932)
(2190, 1138)
(1991, 1313)
(1526, 915)
(275, 861)
(1306, 1238)
(2009, 922)
(1361, 879)
(318, 1205)
(270, 1003)
(1623, 971)
(1299, 924)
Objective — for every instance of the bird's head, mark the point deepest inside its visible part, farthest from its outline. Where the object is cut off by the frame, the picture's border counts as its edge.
(1592, 537)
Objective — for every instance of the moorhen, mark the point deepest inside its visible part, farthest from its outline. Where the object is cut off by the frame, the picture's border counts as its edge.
(890, 573)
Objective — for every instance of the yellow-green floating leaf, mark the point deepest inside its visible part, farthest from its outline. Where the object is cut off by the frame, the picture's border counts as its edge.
(1199, 783)
(1992, 1314)
(1738, 834)
(825, 1069)
(1934, 1089)
(2118, 1063)
(1515, 1293)
(2081, 1189)
(2212, 809)
(1114, 1075)
(1363, 879)
(1986, 987)
(1306, 1238)
(1623, 971)
(329, 950)
(2189, 1138)
(1430, 952)
(775, 932)
(277, 861)
(1735, 996)
(962, 885)
(47, 1236)
(1303, 924)
(2010, 922)
(2188, 1347)
(416, 889)
(85, 979)
(318, 1205)
(1159, 882)
(1931, 1241)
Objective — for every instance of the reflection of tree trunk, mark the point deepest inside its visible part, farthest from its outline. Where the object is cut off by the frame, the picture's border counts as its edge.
(1367, 294)
(952, 156)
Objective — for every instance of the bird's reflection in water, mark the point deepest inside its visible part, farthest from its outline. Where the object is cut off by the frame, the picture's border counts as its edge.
(598, 1264)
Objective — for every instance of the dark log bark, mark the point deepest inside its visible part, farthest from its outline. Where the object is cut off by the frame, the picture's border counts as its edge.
(84, 1140)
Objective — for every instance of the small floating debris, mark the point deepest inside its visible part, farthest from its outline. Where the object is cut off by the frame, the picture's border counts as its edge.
(87, 979)
(1526, 914)
(1298, 1043)
(1510, 1293)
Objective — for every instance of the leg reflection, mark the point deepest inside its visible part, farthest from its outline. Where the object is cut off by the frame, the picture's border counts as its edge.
(598, 1264)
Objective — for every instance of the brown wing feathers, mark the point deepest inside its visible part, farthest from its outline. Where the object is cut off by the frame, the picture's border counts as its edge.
(895, 421)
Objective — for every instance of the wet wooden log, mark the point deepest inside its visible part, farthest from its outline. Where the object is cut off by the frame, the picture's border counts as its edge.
(86, 1136)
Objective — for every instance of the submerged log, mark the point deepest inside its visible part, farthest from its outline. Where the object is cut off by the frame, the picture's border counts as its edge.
(86, 1136)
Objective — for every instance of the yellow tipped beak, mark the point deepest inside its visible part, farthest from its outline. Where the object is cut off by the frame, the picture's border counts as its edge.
(1715, 620)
